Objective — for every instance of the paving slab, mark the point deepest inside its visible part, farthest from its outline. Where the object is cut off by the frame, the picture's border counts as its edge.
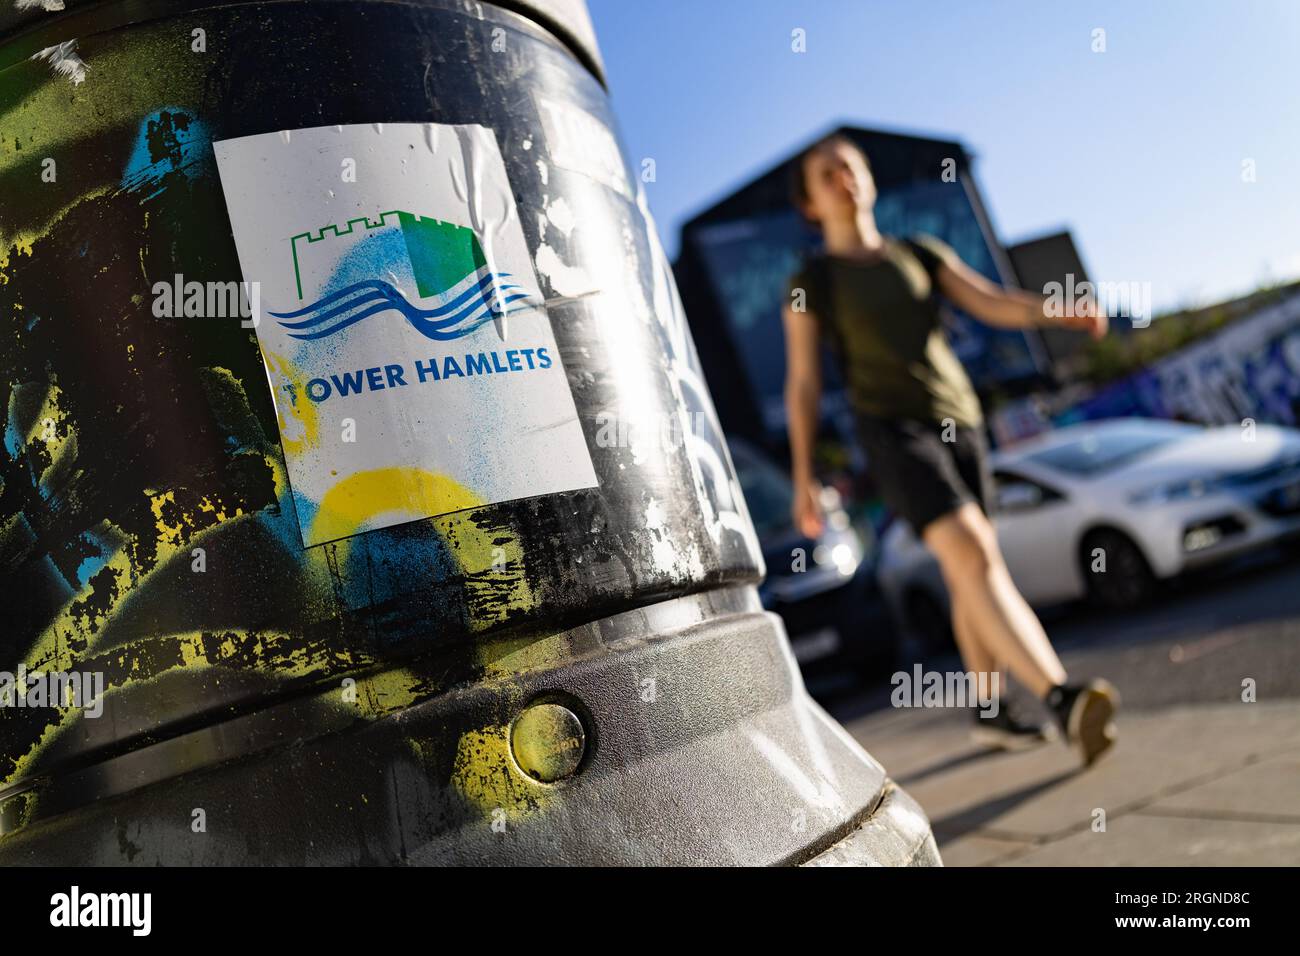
(981, 851)
(1228, 763)
(1266, 791)
(1142, 840)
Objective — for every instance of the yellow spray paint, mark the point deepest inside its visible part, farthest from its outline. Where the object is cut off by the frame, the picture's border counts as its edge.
(485, 774)
(22, 241)
(299, 425)
(409, 492)
(492, 568)
(376, 694)
(153, 68)
(52, 429)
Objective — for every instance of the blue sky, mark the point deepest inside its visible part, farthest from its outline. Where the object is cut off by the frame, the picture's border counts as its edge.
(1138, 150)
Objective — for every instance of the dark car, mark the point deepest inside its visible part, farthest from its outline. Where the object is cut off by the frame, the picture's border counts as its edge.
(824, 589)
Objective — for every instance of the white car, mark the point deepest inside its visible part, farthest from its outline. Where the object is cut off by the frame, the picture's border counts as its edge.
(1106, 509)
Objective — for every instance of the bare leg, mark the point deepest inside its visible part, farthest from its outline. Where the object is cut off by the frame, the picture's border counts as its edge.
(973, 654)
(994, 612)
(977, 660)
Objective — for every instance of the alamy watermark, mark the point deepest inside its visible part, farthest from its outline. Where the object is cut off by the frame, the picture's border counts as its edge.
(922, 688)
(646, 430)
(1071, 298)
(33, 689)
(179, 299)
(133, 911)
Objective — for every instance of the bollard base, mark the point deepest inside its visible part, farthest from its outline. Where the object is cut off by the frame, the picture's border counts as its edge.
(699, 745)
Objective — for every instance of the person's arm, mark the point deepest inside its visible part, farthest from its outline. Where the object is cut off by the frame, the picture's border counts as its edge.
(803, 388)
(1011, 308)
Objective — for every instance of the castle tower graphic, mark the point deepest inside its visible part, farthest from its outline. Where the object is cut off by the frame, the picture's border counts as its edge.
(441, 254)
(432, 272)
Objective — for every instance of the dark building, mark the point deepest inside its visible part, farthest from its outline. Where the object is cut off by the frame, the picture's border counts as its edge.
(1038, 263)
(736, 256)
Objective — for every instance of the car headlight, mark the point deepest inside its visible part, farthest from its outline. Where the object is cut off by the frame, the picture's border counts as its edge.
(843, 555)
(1185, 490)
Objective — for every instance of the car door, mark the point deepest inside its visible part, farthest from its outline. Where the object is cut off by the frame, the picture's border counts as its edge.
(1032, 521)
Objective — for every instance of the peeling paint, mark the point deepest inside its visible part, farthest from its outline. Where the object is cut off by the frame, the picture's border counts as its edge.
(561, 215)
(565, 279)
(64, 61)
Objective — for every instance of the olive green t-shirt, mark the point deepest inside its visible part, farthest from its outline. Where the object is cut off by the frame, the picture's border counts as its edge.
(883, 322)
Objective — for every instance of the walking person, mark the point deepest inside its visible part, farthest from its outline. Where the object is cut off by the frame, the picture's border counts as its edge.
(874, 299)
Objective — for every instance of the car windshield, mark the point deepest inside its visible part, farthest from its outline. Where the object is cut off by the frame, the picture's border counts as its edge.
(1103, 450)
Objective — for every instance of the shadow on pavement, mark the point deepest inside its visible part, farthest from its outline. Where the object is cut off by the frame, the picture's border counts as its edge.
(981, 815)
(950, 763)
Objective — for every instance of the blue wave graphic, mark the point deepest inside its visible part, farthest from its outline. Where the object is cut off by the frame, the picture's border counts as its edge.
(453, 319)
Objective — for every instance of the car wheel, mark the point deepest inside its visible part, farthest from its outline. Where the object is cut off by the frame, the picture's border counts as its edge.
(1124, 579)
(929, 620)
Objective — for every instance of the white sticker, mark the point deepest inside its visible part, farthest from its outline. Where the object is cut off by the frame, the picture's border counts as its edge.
(404, 333)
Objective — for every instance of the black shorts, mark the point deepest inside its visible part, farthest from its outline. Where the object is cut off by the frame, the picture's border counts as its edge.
(921, 476)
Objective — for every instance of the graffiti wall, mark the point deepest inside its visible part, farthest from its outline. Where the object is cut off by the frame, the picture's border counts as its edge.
(1251, 369)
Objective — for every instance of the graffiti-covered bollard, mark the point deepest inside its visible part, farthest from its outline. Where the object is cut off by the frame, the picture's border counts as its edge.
(360, 497)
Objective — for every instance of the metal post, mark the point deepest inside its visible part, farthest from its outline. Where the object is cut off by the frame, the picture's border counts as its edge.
(356, 443)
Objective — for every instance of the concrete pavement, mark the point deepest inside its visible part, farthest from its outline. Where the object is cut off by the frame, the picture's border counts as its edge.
(1212, 784)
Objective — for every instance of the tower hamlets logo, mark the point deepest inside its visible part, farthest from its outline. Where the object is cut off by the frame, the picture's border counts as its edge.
(444, 262)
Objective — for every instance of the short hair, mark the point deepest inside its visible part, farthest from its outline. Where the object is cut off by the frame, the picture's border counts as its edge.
(798, 177)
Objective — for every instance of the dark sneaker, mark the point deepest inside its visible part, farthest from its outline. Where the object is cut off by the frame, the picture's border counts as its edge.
(1085, 713)
(1009, 730)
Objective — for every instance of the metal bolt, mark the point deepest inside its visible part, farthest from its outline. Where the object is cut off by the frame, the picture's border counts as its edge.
(548, 742)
